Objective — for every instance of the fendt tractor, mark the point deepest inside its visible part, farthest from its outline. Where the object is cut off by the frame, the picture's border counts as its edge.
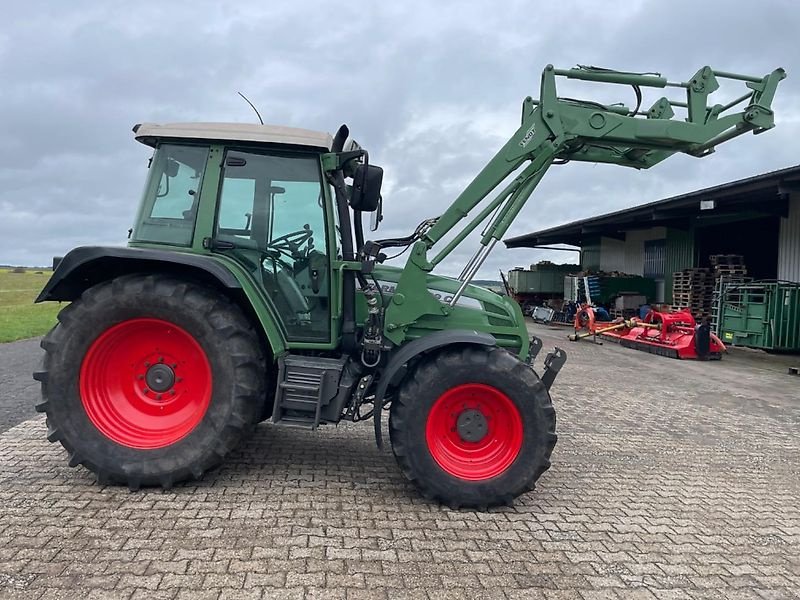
(248, 292)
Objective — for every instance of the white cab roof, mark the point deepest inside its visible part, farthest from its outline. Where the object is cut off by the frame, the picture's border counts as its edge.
(150, 133)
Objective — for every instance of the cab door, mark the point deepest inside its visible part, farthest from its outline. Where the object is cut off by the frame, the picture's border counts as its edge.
(272, 219)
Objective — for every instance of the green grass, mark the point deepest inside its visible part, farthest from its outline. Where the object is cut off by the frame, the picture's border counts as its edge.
(20, 318)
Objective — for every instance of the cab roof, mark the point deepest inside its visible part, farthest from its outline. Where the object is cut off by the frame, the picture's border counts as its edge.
(150, 133)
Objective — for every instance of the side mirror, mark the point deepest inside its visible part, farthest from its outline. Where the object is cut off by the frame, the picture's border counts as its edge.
(172, 167)
(366, 193)
(377, 216)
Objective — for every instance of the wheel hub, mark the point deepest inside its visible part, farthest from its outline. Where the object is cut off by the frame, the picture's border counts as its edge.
(145, 383)
(160, 378)
(472, 426)
(474, 432)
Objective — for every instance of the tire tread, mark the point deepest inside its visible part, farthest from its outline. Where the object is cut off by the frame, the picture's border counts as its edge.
(230, 327)
(498, 363)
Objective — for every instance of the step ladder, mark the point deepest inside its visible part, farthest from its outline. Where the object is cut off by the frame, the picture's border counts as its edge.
(306, 384)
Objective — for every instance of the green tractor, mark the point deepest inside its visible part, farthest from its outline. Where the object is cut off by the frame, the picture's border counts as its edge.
(248, 292)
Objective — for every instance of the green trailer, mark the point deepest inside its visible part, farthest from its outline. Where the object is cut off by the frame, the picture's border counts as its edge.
(543, 281)
(762, 315)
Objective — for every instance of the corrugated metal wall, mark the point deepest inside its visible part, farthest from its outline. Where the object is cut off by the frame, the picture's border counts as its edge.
(654, 251)
(612, 254)
(679, 256)
(789, 243)
(590, 255)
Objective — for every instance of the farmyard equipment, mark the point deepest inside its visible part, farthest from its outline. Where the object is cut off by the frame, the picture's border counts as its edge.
(248, 292)
(675, 335)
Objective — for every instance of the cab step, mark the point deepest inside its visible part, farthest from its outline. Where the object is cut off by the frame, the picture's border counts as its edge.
(306, 385)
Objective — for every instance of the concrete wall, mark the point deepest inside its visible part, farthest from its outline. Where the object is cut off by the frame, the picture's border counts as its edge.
(789, 243)
(628, 256)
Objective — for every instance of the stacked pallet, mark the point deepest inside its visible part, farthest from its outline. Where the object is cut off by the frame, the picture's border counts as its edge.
(728, 266)
(693, 290)
(729, 270)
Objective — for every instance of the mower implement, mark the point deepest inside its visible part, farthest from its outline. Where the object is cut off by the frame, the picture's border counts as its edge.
(248, 291)
(675, 335)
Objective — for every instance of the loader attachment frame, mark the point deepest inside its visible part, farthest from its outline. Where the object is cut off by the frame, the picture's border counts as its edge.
(557, 130)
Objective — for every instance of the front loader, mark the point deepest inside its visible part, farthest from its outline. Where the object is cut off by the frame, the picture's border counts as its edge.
(248, 292)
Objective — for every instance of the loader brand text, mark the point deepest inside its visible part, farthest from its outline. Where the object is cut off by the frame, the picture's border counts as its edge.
(528, 137)
(389, 288)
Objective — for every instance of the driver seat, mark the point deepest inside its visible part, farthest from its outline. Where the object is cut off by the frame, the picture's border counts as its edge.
(287, 287)
(294, 297)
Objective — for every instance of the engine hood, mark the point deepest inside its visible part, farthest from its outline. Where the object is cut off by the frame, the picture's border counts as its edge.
(478, 308)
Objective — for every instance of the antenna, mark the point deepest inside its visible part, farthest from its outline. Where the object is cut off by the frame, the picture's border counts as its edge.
(251, 106)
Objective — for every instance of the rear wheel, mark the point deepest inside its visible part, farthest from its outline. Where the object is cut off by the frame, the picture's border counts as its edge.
(149, 380)
(473, 427)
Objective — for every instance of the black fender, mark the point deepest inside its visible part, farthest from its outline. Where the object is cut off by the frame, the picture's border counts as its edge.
(414, 348)
(86, 266)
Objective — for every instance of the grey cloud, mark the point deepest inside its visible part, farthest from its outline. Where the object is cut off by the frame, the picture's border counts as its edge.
(432, 90)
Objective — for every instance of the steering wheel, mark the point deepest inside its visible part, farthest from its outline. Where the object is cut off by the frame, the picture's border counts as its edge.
(290, 243)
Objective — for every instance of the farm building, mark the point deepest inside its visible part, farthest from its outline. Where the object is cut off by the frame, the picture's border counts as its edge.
(757, 218)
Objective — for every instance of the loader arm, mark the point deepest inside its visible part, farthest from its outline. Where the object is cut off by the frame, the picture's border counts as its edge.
(557, 130)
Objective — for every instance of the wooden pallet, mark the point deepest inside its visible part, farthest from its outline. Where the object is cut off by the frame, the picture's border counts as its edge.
(693, 290)
(726, 259)
(731, 272)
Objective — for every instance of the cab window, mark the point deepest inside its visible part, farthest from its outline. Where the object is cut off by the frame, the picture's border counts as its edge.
(272, 213)
(169, 209)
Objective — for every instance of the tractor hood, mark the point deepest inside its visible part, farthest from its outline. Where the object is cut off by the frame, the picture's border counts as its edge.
(477, 309)
(441, 287)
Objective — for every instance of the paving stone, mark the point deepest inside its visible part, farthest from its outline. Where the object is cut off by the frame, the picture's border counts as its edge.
(670, 479)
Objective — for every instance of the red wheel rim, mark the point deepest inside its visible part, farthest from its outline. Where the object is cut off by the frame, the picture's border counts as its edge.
(500, 426)
(128, 392)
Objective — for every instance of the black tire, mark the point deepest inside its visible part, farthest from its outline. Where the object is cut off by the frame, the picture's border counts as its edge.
(425, 384)
(237, 378)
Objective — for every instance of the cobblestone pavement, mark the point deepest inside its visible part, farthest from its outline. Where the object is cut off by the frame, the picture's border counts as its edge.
(670, 480)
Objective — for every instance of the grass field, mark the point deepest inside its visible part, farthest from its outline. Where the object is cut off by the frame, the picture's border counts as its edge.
(20, 318)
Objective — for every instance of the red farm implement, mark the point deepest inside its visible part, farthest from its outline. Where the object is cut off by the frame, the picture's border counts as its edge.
(676, 335)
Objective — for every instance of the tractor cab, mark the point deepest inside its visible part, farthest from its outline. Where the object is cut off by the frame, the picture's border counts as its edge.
(258, 196)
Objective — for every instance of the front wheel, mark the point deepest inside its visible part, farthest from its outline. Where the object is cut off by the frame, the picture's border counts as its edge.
(473, 427)
(149, 380)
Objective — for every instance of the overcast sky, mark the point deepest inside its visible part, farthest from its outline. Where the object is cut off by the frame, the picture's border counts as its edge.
(431, 89)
